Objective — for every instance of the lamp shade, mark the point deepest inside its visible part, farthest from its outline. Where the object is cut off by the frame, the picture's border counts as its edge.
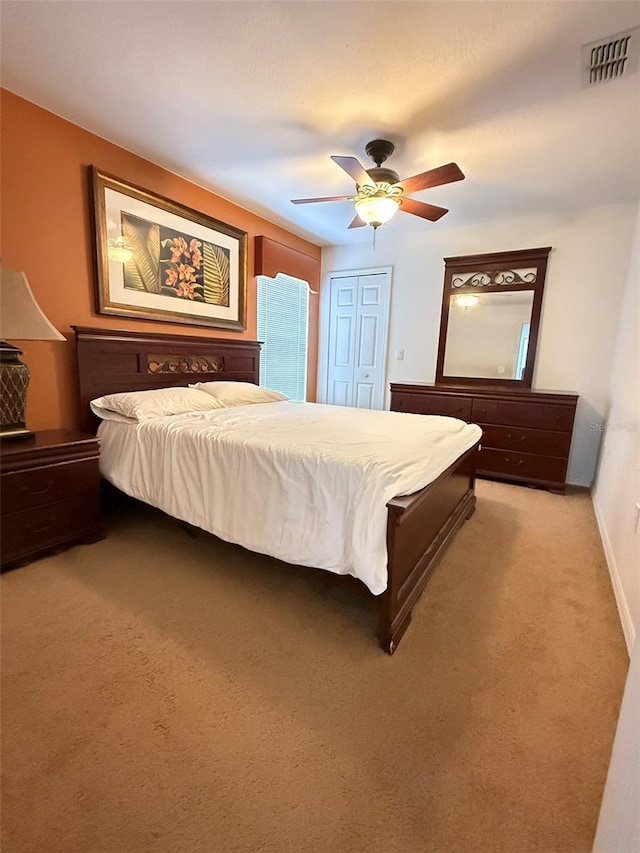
(21, 318)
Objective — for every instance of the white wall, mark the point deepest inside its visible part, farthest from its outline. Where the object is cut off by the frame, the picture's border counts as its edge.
(585, 279)
(615, 497)
(617, 487)
(619, 822)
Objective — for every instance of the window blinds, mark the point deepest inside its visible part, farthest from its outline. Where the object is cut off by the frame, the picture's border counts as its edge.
(283, 324)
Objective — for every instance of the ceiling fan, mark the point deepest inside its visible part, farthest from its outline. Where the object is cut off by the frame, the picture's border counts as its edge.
(380, 192)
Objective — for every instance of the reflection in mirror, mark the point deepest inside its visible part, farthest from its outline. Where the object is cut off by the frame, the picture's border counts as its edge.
(488, 334)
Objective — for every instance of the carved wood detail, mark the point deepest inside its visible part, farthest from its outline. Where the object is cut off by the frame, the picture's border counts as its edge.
(501, 278)
(184, 364)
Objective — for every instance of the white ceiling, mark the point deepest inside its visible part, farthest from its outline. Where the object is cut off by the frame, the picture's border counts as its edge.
(249, 99)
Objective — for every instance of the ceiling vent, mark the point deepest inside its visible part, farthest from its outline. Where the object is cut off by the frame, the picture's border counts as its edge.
(611, 57)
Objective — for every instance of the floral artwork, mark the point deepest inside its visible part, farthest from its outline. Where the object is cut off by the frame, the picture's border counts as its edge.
(174, 264)
(185, 271)
(160, 260)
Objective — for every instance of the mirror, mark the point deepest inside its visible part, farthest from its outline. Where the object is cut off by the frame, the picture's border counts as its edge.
(490, 317)
(488, 334)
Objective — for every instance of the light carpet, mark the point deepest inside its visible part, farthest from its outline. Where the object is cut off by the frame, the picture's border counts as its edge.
(170, 694)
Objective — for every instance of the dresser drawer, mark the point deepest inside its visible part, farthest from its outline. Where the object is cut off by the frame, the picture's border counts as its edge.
(524, 440)
(48, 484)
(48, 525)
(432, 404)
(526, 466)
(515, 413)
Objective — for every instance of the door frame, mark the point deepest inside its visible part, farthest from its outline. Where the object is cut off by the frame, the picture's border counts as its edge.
(323, 327)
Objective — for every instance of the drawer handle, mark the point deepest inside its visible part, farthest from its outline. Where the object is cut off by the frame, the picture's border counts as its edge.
(42, 491)
(515, 464)
(520, 438)
(40, 529)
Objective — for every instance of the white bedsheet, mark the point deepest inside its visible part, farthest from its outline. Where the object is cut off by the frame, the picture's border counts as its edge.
(303, 482)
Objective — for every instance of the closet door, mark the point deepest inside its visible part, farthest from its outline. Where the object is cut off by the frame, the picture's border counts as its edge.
(357, 338)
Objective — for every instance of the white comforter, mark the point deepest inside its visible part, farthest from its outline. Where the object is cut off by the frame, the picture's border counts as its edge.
(303, 482)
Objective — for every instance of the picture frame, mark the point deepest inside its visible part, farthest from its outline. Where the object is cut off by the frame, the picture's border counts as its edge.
(157, 259)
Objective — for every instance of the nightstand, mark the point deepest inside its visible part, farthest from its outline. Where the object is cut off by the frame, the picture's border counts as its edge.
(50, 494)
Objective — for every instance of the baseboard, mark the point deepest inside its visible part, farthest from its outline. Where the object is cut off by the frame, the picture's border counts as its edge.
(623, 608)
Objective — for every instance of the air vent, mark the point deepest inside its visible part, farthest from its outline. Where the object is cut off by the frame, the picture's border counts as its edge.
(611, 57)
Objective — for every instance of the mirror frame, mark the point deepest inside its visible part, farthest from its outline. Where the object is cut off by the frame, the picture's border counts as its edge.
(483, 276)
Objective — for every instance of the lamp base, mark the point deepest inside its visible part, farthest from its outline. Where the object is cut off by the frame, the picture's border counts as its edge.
(14, 381)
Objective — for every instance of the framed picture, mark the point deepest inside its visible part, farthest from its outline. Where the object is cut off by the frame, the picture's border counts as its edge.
(160, 260)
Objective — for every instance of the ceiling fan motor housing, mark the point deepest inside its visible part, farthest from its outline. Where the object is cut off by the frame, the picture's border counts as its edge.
(383, 176)
(379, 150)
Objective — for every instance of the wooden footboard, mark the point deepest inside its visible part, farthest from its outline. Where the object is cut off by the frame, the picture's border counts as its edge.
(419, 528)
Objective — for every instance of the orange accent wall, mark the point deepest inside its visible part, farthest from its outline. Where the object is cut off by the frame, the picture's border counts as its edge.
(47, 232)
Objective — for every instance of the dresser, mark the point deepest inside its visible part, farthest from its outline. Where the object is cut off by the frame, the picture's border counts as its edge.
(526, 435)
(50, 486)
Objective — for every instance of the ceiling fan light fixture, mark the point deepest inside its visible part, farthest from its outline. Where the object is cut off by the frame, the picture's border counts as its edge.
(467, 300)
(380, 192)
(377, 209)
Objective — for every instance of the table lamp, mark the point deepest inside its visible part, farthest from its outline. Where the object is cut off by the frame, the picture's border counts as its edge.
(21, 319)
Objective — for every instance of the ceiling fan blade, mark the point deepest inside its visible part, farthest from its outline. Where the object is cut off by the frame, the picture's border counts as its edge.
(355, 169)
(419, 208)
(433, 178)
(356, 222)
(326, 198)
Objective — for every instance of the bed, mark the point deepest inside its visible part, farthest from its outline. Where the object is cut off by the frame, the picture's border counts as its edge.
(407, 532)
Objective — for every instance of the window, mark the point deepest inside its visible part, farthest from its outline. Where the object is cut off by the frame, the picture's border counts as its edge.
(283, 325)
(522, 350)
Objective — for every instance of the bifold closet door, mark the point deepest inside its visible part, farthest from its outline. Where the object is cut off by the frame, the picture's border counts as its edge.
(358, 327)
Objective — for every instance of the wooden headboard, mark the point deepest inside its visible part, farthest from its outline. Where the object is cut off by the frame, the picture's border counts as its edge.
(111, 360)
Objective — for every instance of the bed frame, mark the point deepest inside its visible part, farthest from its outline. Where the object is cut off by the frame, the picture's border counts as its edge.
(419, 526)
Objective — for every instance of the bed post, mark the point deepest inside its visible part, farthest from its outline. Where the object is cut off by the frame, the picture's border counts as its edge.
(419, 529)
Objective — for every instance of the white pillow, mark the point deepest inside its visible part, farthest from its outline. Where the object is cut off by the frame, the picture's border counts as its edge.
(238, 393)
(156, 403)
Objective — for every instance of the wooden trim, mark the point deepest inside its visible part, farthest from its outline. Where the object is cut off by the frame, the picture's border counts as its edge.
(498, 260)
(48, 447)
(271, 258)
(51, 494)
(116, 360)
(419, 529)
(487, 392)
(526, 434)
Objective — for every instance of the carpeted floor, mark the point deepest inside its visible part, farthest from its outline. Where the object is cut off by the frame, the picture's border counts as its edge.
(169, 694)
